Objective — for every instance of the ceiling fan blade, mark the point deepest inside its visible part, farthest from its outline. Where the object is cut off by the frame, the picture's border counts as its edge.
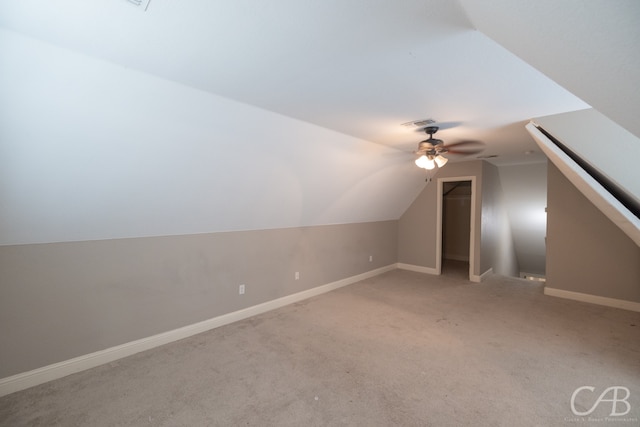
(468, 143)
(465, 147)
(466, 151)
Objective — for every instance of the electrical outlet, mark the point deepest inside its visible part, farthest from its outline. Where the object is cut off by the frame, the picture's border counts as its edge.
(370, 258)
(241, 289)
(297, 275)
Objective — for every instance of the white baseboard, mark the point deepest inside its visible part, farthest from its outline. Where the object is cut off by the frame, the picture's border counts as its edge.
(77, 364)
(429, 270)
(593, 299)
(477, 279)
(417, 268)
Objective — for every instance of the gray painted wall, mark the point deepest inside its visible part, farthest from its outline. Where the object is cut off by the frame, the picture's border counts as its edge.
(62, 300)
(493, 243)
(417, 226)
(586, 252)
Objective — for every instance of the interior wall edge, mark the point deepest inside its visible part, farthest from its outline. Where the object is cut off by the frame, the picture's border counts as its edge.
(589, 187)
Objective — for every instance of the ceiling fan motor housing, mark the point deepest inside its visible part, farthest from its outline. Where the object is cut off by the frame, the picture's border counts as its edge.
(431, 129)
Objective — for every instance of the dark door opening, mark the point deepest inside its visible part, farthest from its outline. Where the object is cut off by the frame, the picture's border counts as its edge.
(456, 227)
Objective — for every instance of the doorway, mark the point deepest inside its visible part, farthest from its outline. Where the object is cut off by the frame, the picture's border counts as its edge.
(455, 251)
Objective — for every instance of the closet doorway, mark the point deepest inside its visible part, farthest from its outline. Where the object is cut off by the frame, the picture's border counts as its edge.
(456, 229)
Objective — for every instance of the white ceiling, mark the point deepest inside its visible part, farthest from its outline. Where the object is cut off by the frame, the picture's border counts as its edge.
(591, 48)
(359, 67)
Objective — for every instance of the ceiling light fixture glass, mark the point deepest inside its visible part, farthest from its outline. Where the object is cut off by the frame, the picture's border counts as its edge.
(429, 162)
(441, 160)
(425, 162)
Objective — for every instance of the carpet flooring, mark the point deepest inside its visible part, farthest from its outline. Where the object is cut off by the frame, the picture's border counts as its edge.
(399, 349)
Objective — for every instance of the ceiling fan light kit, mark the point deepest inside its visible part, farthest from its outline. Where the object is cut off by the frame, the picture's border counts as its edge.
(425, 162)
(431, 150)
(441, 161)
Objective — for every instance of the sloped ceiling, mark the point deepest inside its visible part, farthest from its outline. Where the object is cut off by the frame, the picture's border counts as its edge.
(588, 47)
(358, 67)
(201, 116)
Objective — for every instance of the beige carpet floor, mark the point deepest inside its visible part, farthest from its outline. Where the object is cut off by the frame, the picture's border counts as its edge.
(400, 349)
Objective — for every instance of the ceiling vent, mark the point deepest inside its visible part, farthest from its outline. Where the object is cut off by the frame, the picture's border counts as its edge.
(142, 4)
(419, 123)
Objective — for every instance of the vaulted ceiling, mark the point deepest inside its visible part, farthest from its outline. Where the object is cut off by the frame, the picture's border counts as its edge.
(354, 70)
(357, 67)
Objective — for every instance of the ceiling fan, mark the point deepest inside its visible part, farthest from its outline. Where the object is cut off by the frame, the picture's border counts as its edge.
(431, 150)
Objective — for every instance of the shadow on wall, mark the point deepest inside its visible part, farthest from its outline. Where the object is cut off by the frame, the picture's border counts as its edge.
(525, 197)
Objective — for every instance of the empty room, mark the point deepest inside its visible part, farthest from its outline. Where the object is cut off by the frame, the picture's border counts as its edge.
(349, 213)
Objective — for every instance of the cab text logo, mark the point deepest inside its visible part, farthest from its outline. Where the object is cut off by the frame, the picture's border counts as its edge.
(617, 395)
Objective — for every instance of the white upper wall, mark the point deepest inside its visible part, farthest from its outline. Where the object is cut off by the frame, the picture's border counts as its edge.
(92, 150)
